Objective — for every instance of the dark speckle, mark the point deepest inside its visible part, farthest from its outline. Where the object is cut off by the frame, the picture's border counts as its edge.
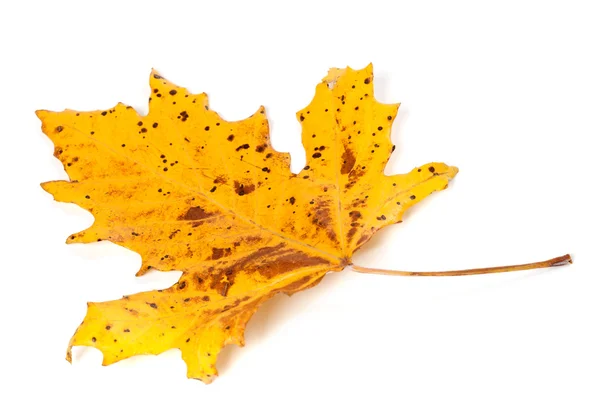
(413, 197)
(242, 147)
(316, 155)
(173, 92)
(230, 138)
(367, 80)
(431, 169)
(104, 113)
(155, 125)
(93, 339)
(153, 305)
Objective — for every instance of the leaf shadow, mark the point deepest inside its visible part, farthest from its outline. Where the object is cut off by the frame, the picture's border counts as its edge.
(272, 315)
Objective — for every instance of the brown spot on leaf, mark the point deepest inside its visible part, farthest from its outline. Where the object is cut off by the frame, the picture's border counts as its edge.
(242, 189)
(243, 147)
(218, 253)
(348, 159)
(195, 213)
(220, 180)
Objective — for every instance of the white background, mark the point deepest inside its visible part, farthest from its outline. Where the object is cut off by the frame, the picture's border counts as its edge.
(507, 91)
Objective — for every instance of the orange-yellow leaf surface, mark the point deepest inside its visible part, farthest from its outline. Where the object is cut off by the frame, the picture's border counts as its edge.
(190, 191)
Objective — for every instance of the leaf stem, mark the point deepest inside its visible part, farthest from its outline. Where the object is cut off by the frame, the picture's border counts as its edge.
(557, 261)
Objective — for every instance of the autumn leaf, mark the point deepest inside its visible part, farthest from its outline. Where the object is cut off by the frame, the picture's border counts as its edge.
(190, 191)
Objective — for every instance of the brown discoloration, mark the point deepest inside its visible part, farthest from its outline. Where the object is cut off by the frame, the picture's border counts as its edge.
(242, 189)
(261, 148)
(351, 234)
(288, 262)
(223, 291)
(268, 262)
(230, 271)
(322, 218)
(195, 213)
(250, 240)
(348, 160)
(220, 180)
(218, 253)
(243, 147)
(355, 174)
(354, 215)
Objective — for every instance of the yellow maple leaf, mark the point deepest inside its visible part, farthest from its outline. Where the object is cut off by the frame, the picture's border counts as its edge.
(190, 191)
